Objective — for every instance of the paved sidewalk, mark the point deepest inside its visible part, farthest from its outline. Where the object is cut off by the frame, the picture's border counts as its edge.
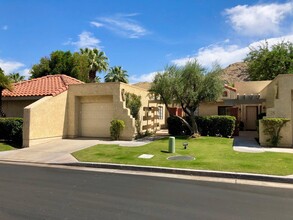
(59, 151)
(246, 142)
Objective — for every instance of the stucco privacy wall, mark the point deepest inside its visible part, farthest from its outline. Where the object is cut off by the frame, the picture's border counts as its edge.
(278, 95)
(146, 102)
(44, 120)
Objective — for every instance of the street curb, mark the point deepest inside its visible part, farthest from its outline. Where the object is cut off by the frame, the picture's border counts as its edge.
(190, 172)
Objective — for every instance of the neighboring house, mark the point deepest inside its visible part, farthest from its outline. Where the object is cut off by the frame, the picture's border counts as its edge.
(242, 101)
(27, 92)
(58, 106)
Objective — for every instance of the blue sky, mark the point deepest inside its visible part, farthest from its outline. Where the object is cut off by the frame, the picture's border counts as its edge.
(142, 36)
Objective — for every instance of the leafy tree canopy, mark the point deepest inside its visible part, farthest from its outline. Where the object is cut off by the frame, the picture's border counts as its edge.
(5, 83)
(76, 65)
(188, 86)
(265, 63)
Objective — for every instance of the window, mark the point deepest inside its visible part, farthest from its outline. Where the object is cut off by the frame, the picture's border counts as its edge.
(160, 112)
(224, 110)
(225, 94)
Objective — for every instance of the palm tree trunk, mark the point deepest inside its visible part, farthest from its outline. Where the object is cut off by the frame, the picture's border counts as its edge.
(92, 76)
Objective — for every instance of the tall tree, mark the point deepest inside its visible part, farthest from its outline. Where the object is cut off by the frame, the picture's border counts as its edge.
(265, 63)
(116, 74)
(97, 61)
(188, 86)
(62, 62)
(4, 84)
(15, 77)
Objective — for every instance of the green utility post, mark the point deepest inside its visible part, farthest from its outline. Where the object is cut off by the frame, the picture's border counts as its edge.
(171, 144)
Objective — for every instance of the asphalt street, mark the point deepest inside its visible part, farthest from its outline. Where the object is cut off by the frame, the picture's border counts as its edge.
(30, 192)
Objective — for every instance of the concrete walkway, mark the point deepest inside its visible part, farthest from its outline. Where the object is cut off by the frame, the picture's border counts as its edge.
(59, 151)
(246, 142)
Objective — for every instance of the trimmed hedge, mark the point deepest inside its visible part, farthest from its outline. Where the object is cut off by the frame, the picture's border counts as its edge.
(176, 126)
(11, 129)
(207, 125)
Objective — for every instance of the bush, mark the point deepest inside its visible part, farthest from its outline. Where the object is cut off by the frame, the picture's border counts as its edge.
(176, 126)
(11, 129)
(272, 128)
(207, 125)
(116, 128)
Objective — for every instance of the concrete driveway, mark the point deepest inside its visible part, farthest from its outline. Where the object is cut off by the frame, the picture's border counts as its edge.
(59, 151)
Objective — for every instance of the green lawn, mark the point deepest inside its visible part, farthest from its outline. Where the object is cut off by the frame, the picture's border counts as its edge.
(5, 146)
(212, 153)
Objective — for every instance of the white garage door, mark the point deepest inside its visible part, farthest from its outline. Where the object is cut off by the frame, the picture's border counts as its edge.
(95, 119)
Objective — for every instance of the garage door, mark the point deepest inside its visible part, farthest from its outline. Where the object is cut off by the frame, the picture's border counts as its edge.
(95, 119)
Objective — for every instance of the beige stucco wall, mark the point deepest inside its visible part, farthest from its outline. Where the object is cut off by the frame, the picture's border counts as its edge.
(44, 120)
(14, 108)
(230, 94)
(250, 87)
(78, 92)
(206, 109)
(278, 95)
(286, 140)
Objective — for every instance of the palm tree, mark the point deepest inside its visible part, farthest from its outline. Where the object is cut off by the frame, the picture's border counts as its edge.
(15, 77)
(97, 60)
(116, 74)
(4, 84)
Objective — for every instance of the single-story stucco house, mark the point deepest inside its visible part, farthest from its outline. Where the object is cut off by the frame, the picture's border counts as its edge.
(58, 106)
(246, 100)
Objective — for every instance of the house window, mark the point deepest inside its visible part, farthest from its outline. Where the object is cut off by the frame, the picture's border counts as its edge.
(160, 112)
(225, 94)
(224, 110)
(276, 91)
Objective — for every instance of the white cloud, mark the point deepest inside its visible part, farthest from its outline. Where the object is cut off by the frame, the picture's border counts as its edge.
(149, 77)
(226, 54)
(25, 72)
(5, 27)
(10, 66)
(259, 20)
(122, 24)
(86, 39)
(96, 24)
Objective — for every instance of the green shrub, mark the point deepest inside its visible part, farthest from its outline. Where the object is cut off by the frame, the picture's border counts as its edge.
(11, 129)
(176, 126)
(207, 125)
(116, 128)
(133, 102)
(272, 128)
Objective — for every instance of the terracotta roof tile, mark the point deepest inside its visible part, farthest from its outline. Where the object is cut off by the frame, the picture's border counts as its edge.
(43, 86)
(230, 88)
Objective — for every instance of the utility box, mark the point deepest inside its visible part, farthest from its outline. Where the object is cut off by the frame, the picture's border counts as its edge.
(171, 144)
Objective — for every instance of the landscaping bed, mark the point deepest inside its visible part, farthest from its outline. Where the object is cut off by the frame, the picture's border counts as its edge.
(211, 153)
(4, 146)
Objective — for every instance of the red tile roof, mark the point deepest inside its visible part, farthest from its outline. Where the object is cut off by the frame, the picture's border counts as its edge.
(230, 88)
(50, 85)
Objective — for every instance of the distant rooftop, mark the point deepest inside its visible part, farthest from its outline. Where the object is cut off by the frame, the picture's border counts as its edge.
(50, 85)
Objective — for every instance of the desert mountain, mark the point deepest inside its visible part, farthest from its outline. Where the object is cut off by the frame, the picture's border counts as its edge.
(235, 72)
